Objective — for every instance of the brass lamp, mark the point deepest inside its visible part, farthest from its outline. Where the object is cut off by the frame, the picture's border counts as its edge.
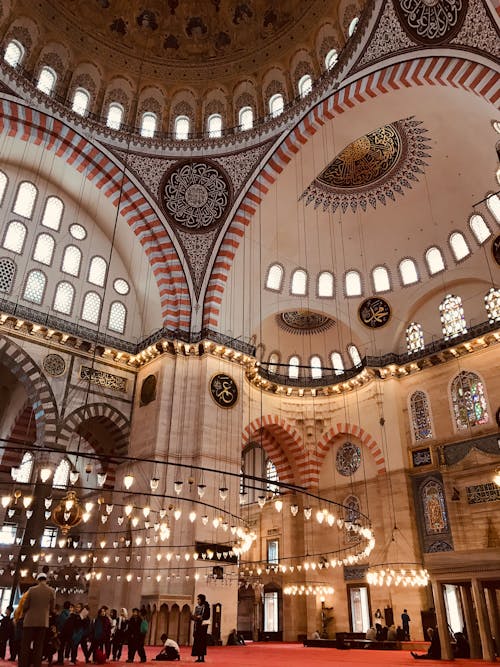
(68, 512)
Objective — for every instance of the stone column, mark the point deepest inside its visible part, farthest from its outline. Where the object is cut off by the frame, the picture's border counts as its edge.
(491, 598)
(444, 635)
(470, 621)
(483, 621)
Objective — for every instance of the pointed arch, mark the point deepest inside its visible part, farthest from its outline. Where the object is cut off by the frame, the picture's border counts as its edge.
(118, 426)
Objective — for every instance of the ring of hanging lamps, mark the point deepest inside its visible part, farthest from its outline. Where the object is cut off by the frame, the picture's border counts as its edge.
(308, 589)
(398, 574)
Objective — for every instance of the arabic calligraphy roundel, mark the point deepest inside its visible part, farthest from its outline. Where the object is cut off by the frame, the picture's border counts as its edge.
(374, 312)
(431, 21)
(224, 390)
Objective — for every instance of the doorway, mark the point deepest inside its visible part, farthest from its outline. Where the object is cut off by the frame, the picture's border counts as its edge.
(359, 608)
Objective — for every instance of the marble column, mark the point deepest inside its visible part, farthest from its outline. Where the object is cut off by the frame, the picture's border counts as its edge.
(470, 621)
(491, 598)
(483, 620)
(444, 635)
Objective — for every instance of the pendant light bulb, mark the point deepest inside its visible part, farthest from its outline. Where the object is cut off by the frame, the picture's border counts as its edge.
(154, 483)
(261, 501)
(45, 474)
(128, 480)
(178, 487)
(201, 490)
(223, 492)
(73, 476)
(101, 478)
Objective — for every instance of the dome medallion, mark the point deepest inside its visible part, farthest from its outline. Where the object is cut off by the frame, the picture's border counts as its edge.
(304, 322)
(431, 21)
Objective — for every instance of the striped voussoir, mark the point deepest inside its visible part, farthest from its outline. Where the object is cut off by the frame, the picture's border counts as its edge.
(40, 395)
(34, 127)
(430, 71)
(22, 435)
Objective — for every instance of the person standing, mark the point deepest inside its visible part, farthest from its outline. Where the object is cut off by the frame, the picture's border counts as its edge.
(62, 629)
(100, 634)
(6, 633)
(120, 634)
(405, 621)
(201, 618)
(136, 636)
(38, 605)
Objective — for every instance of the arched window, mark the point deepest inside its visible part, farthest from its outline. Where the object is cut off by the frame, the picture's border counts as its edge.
(7, 273)
(276, 105)
(351, 516)
(275, 277)
(434, 260)
(353, 352)
(325, 284)
(337, 363)
(305, 85)
(331, 58)
(271, 476)
(420, 416)
(52, 213)
(14, 53)
(352, 283)
(35, 287)
(245, 118)
(469, 401)
(97, 271)
(61, 475)
(380, 277)
(23, 473)
(492, 304)
(44, 249)
(14, 237)
(3, 185)
(479, 228)
(149, 122)
(117, 316)
(293, 367)
(81, 101)
(299, 282)
(254, 464)
(182, 126)
(91, 307)
(459, 246)
(414, 338)
(63, 299)
(47, 80)
(352, 26)
(115, 116)
(71, 260)
(316, 367)
(214, 125)
(273, 362)
(452, 316)
(408, 272)
(25, 199)
(432, 497)
(493, 204)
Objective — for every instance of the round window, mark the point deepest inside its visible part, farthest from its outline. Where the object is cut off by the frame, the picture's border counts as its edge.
(78, 232)
(121, 286)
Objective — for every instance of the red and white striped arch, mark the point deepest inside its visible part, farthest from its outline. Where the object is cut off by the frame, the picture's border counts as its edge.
(430, 71)
(34, 127)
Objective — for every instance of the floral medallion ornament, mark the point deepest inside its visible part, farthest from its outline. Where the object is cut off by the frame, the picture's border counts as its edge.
(304, 322)
(195, 195)
(348, 459)
(431, 21)
(54, 365)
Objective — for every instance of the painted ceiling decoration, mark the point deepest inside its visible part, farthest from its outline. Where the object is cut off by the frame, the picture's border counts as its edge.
(372, 168)
(431, 21)
(304, 322)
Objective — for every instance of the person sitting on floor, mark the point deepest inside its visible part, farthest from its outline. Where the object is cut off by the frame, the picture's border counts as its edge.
(170, 650)
(371, 633)
(235, 639)
(434, 651)
(392, 633)
(316, 635)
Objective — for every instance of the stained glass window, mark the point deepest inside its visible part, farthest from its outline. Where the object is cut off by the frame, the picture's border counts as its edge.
(71, 260)
(25, 199)
(245, 118)
(23, 473)
(420, 416)
(293, 367)
(305, 85)
(316, 370)
(46, 80)
(352, 26)
(274, 277)
(469, 401)
(351, 515)
(337, 363)
(81, 101)
(331, 58)
(13, 53)
(115, 116)
(348, 459)
(14, 237)
(44, 249)
(452, 316)
(63, 299)
(97, 271)
(61, 475)
(271, 476)
(7, 273)
(91, 307)
(353, 352)
(276, 105)
(214, 125)
(182, 127)
(434, 508)
(35, 287)
(273, 362)
(149, 122)
(492, 304)
(117, 315)
(53, 213)
(414, 338)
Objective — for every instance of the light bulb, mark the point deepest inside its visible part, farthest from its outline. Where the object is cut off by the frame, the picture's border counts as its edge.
(154, 483)
(294, 509)
(85, 517)
(45, 473)
(89, 506)
(261, 501)
(307, 512)
(128, 509)
(192, 516)
(178, 487)
(177, 513)
(68, 504)
(201, 490)
(73, 476)
(27, 500)
(5, 501)
(223, 492)
(243, 497)
(319, 516)
(128, 480)
(204, 519)
(101, 478)
(146, 511)
(278, 504)
(135, 521)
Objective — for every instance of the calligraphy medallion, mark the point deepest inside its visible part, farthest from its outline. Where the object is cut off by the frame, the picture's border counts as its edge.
(224, 390)
(431, 21)
(374, 312)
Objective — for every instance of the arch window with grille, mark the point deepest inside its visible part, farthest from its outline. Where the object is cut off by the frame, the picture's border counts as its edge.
(117, 317)
(299, 282)
(380, 277)
(452, 316)
(276, 105)
(3, 185)
(293, 367)
(352, 509)
(14, 237)
(420, 416)
(325, 284)
(91, 307)
(14, 53)
(214, 125)
(433, 505)
(331, 58)
(63, 299)
(353, 352)
(72, 260)
(25, 469)
(81, 101)
(459, 246)
(469, 401)
(97, 271)
(182, 126)
(25, 199)
(275, 277)
(7, 273)
(434, 260)
(61, 475)
(337, 363)
(492, 304)
(353, 283)
(273, 362)
(352, 26)
(272, 477)
(305, 85)
(149, 121)
(254, 464)
(52, 213)
(34, 288)
(245, 118)
(114, 118)
(493, 204)
(316, 367)
(44, 249)
(414, 338)
(408, 272)
(479, 228)
(47, 80)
